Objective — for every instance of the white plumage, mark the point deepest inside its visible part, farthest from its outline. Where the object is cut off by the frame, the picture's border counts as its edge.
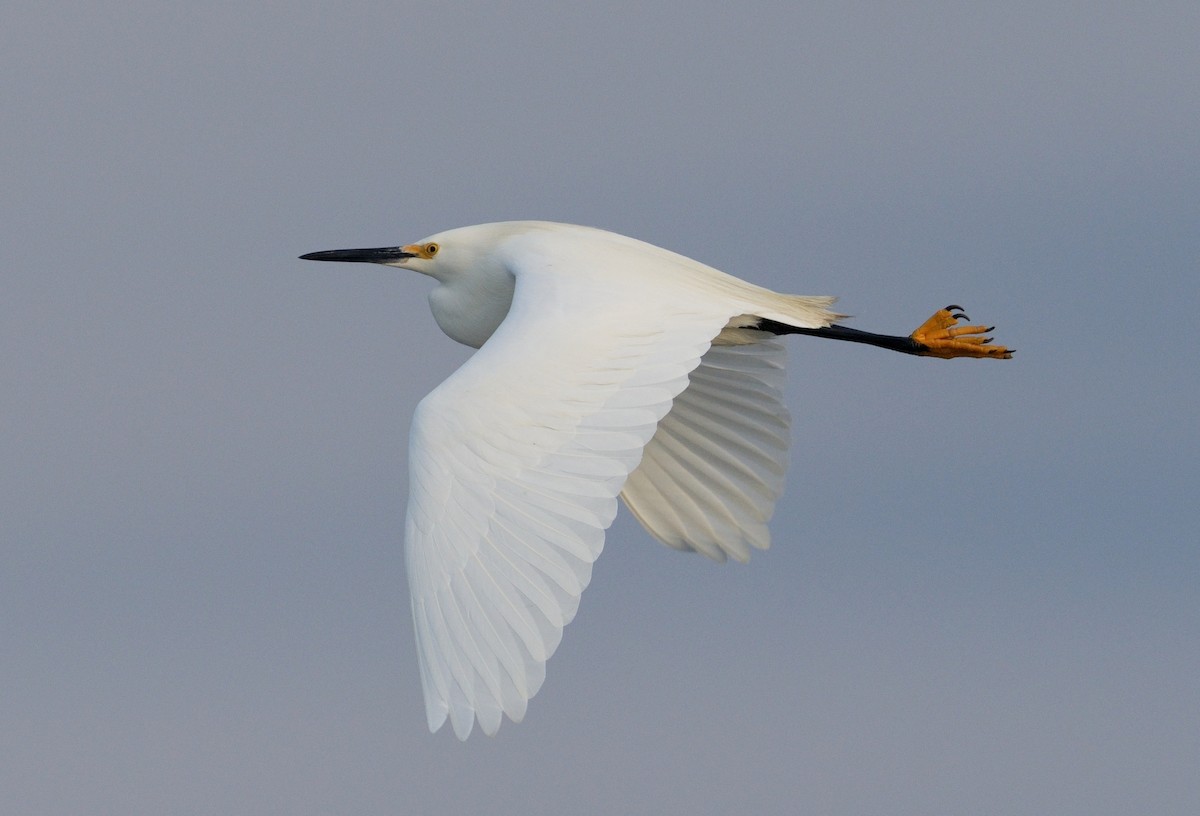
(709, 478)
(606, 367)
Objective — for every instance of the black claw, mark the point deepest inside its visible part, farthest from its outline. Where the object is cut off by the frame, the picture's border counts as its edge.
(952, 307)
(990, 328)
(960, 316)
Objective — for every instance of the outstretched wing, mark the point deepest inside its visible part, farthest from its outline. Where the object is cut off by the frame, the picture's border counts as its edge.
(709, 479)
(516, 462)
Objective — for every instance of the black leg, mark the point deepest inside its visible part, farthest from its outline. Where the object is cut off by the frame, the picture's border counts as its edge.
(893, 342)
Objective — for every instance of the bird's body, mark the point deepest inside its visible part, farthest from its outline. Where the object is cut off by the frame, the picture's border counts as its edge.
(606, 367)
(472, 300)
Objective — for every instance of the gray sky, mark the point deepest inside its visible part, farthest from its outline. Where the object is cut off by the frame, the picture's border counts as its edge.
(982, 596)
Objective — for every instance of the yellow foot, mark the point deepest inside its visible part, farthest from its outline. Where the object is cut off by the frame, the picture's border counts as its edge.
(941, 336)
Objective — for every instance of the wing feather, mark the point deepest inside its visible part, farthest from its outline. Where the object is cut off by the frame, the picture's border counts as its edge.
(710, 477)
(516, 462)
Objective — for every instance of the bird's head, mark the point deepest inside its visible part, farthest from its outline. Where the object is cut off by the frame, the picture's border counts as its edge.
(426, 257)
(455, 254)
(476, 285)
(451, 255)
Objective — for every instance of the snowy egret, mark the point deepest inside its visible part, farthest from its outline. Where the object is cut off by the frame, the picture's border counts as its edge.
(606, 366)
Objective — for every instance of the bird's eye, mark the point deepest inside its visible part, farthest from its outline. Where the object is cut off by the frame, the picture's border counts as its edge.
(431, 250)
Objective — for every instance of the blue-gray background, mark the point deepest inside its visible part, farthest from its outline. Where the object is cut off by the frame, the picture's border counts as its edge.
(982, 596)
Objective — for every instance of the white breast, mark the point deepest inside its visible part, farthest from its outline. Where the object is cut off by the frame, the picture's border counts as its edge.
(470, 307)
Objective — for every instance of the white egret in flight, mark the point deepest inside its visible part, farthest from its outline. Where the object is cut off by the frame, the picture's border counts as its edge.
(606, 367)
